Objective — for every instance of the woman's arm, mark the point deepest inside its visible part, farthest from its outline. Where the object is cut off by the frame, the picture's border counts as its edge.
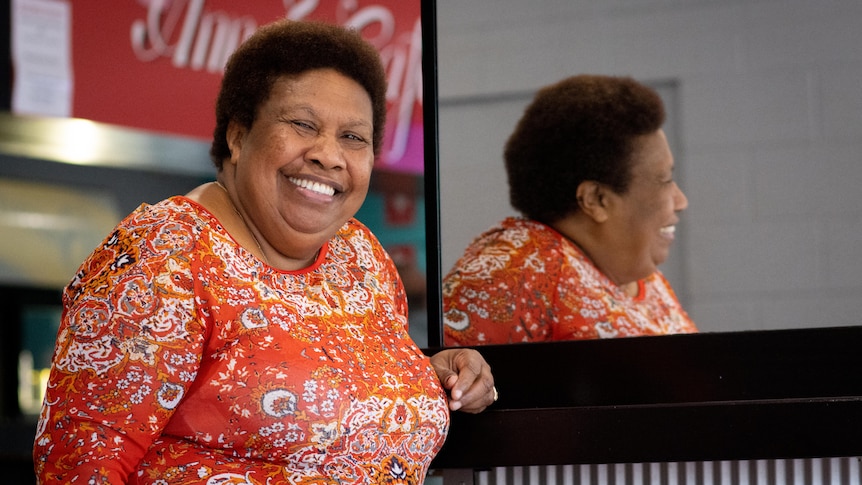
(127, 351)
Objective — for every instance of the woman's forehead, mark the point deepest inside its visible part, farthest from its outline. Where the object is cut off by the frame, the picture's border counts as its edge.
(651, 154)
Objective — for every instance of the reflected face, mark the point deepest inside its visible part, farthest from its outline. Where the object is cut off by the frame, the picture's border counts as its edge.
(304, 165)
(642, 221)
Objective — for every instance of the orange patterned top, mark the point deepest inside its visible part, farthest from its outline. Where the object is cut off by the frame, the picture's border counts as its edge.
(522, 281)
(182, 358)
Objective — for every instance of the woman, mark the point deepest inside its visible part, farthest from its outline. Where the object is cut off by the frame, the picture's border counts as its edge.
(253, 331)
(590, 170)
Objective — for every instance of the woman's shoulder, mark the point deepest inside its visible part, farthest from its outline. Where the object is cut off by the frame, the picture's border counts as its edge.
(659, 286)
(355, 245)
(177, 214)
(149, 222)
(527, 236)
(146, 241)
(354, 239)
(355, 227)
(178, 207)
(537, 232)
(515, 232)
(514, 245)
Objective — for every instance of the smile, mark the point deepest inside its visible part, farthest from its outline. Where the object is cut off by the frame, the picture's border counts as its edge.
(668, 230)
(316, 187)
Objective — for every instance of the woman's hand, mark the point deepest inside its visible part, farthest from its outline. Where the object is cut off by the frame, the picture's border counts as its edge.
(467, 378)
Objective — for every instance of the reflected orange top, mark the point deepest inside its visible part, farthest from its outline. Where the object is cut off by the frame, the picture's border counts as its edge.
(522, 281)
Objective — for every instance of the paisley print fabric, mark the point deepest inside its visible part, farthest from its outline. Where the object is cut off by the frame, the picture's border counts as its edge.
(522, 281)
(182, 358)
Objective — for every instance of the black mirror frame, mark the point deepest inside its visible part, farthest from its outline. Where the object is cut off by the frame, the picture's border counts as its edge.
(428, 15)
(702, 397)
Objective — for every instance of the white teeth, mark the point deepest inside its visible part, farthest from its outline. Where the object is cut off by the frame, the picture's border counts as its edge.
(668, 230)
(313, 186)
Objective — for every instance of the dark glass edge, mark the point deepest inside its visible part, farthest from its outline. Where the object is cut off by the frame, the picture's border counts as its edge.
(432, 187)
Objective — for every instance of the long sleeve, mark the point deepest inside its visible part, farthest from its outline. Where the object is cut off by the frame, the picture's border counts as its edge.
(182, 358)
(128, 349)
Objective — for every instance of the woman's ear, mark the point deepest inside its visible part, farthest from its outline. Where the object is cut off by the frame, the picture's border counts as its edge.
(235, 135)
(592, 200)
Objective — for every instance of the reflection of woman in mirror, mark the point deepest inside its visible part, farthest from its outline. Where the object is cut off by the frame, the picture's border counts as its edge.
(591, 172)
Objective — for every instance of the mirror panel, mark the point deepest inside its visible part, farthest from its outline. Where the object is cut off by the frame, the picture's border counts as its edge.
(768, 129)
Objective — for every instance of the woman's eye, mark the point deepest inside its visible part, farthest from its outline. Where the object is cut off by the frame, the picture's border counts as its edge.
(302, 124)
(354, 137)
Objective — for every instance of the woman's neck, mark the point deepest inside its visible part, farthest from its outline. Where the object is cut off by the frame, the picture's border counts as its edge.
(217, 200)
(583, 235)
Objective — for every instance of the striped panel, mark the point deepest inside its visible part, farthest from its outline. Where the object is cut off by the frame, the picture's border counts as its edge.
(817, 471)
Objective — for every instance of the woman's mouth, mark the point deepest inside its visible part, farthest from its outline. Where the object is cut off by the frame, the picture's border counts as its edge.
(668, 231)
(315, 187)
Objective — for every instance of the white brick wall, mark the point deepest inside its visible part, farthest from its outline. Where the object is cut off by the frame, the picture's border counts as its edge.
(768, 116)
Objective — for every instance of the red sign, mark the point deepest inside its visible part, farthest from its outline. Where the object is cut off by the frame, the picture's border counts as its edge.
(156, 65)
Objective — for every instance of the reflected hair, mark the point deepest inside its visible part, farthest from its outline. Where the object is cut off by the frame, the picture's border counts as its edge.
(580, 128)
(291, 48)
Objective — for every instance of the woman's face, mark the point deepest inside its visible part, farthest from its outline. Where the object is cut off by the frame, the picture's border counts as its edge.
(642, 221)
(303, 168)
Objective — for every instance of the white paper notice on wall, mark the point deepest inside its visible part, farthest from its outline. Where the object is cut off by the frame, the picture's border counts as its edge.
(41, 56)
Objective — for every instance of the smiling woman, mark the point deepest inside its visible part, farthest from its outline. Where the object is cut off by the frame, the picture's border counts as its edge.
(590, 170)
(254, 328)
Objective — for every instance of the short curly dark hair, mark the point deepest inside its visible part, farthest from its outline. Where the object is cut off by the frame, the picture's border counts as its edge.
(581, 128)
(288, 48)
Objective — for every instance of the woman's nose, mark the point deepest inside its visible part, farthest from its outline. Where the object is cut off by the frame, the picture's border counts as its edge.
(680, 200)
(325, 152)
